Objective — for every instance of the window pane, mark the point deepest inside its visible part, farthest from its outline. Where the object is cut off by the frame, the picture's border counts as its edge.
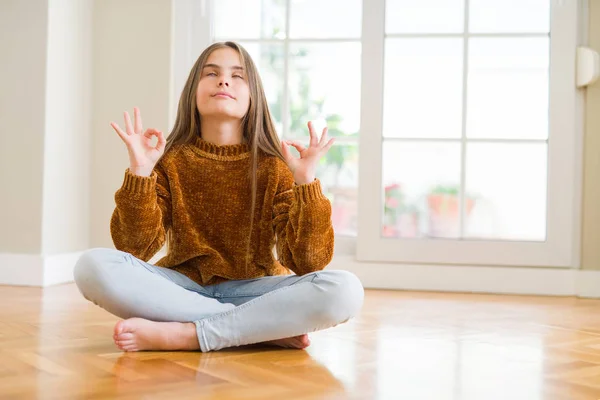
(338, 173)
(269, 61)
(325, 19)
(424, 16)
(502, 16)
(508, 85)
(324, 85)
(249, 19)
(423, 88)
(506, 184)
(421, 185)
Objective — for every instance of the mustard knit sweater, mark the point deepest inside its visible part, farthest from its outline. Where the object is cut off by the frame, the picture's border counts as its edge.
(201, 194)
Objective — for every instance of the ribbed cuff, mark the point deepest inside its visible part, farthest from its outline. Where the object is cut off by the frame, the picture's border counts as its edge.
(139, 184)
(309, 191)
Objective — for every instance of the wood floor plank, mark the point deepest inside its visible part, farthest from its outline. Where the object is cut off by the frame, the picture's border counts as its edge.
(415, 345)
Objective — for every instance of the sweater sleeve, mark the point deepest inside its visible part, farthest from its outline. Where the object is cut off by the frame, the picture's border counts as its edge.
(302, 219)
(142, 215)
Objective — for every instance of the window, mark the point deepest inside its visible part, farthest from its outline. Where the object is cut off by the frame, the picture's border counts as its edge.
(310, 66)
(464, 112)
(469, 135)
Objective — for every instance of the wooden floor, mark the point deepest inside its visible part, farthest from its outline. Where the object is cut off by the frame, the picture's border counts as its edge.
(404, 345)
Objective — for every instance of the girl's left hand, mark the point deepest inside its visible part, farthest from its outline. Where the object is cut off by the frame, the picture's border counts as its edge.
(304, 168)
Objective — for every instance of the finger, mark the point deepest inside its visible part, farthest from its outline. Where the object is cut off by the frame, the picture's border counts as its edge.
(128, 126)
(286, 151)
(299, 146)
(328, 145)
(119, 131)
(162, 142)
(313, 135)
(151, 132)
(324, 137)
(138, 120)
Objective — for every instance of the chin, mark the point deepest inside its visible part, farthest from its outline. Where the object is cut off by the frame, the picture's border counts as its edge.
(223, 114)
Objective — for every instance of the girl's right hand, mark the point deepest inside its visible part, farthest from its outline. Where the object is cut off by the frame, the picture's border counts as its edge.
(143, 156)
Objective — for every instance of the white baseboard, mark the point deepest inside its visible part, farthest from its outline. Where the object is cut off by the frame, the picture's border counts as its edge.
(21, 269)
(59, 268)
(36, 269)
(473, 279)
(588, 284)
(41, 271)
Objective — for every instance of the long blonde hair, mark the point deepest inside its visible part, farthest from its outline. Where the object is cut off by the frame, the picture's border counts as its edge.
(257, 125)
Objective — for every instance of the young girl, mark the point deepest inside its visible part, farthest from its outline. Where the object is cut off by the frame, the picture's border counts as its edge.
(221, 191)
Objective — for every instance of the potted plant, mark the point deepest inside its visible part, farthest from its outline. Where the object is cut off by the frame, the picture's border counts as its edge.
(443, 204)
(400, 219)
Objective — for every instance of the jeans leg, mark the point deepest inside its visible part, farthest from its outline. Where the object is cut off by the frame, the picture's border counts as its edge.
(128, 287)
(273, 308)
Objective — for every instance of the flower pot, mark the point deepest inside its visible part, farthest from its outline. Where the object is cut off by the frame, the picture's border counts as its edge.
(444, 214)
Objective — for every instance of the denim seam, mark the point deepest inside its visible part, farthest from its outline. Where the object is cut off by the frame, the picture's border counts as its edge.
(204, 292)
(204, 337)
(259, 294)
(210, 319)
(201, 336)
(245, 305)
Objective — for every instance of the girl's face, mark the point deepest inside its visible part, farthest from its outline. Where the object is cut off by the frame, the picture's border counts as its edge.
(223, 89)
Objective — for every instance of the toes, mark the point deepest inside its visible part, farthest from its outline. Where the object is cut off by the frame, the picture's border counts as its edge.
(122, 343)
(301, 341)
(125, 336)
(129, 346)
(119, 327)
(127, 325)
(296, 342)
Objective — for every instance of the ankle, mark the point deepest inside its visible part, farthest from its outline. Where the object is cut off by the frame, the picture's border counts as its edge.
(188, 336)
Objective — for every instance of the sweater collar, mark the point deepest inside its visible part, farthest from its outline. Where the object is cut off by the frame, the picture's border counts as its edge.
(223, 152)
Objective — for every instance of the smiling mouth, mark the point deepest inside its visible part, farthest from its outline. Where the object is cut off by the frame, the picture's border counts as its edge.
(224, 95)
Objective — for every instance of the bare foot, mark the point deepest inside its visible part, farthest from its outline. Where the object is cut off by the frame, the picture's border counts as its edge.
(136, 334)
(296, 342)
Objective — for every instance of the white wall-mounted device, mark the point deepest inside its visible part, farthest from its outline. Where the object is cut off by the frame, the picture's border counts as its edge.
(588, 66)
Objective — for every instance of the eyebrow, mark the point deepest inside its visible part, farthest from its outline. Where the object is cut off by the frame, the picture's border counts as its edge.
(237, 67)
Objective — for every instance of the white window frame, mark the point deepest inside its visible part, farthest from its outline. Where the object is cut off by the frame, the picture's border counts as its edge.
(192, 32)
(561, 248)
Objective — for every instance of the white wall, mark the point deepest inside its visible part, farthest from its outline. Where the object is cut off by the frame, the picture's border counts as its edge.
(45, 130)
(131, 67)
(23, 26)
(66, 191)
(68, 68)
(590, 257)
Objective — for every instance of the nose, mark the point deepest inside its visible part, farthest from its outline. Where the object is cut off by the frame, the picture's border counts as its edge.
(223, 82)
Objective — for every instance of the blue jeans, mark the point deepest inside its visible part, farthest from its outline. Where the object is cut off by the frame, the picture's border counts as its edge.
(231, 313)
